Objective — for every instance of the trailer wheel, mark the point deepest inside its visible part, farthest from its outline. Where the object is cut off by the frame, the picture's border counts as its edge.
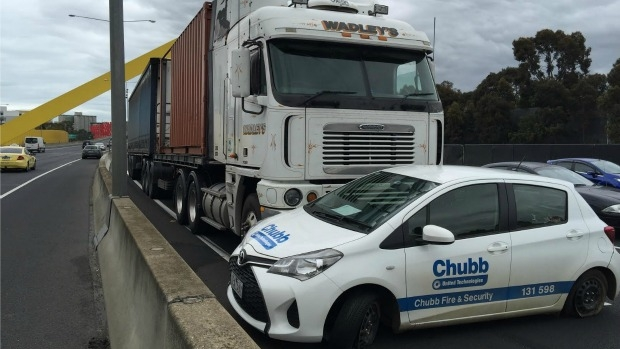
(153, 191)
(194, 203)
(145, 176)
(180, 196)
(250, 215)
(131, 166)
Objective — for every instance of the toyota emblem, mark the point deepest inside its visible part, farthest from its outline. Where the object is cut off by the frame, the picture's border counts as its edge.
(242, 256)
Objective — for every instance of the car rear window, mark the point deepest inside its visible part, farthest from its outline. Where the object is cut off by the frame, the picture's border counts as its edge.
(10, 150)
(92, 147)
(31, 140)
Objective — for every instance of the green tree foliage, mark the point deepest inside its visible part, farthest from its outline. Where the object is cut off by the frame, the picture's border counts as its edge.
(609, 103)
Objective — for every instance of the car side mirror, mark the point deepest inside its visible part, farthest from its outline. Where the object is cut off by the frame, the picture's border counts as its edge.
(437, 235)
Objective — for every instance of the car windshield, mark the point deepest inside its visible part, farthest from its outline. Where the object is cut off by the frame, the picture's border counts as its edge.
(5, 150)
(607, 166)
(562, 173)
(320, 74)
(364, 204)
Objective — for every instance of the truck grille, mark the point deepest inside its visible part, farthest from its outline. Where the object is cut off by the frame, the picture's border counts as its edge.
(386, 145)
(252, 301)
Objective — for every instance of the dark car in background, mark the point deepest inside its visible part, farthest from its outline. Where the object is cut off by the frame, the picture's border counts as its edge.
(605, 201)
(598, 171)
(91, 151)
(85, 143)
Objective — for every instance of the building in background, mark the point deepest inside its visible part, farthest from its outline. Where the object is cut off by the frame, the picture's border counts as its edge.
(80, 121)
(8, 115)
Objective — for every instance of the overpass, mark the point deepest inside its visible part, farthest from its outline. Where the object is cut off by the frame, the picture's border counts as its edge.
(74, 98)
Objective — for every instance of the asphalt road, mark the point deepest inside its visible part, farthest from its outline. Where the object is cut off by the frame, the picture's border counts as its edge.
(50, 298)
(531, 332)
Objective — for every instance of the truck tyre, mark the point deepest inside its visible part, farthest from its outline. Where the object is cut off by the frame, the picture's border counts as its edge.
(153, 191)
(145, 176)
(587, 297)
(131, 166)
(194, 203)
(357, 323)
(180, 196)
(250, 214)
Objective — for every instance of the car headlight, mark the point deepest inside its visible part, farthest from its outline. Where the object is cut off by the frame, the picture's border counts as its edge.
(612, 209)
(307, 265)
(292, 197)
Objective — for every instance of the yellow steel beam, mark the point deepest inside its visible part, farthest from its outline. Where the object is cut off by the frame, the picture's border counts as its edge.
(75, 97)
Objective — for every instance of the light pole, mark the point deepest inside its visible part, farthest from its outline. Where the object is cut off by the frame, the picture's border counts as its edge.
(117, 75)
(105, 20)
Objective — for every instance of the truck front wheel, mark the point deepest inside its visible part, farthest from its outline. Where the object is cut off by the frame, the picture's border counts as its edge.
(250, 215)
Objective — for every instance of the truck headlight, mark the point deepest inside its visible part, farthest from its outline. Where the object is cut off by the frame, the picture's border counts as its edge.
(612, 209)
(307, 265)
(292, 197)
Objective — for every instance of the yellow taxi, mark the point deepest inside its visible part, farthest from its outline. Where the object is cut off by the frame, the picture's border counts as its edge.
(16, 157)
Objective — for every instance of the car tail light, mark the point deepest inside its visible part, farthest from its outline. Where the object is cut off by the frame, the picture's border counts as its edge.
(611, 233)
(20, 158)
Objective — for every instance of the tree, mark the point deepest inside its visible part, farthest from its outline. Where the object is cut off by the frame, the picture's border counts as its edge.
(609, 103)
(554, 55)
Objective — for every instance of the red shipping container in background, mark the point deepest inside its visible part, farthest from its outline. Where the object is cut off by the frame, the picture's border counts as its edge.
(101, 129)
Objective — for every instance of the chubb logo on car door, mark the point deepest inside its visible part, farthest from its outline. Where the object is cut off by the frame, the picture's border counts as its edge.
(463, 274)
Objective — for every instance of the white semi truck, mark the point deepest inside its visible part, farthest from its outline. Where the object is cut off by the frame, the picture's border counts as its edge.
(263, 106)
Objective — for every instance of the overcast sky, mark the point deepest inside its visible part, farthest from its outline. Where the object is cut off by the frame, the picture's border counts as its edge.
(45, 53)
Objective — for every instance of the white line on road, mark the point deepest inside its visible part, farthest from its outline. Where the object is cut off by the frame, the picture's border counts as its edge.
(34, 179)
(607, 304)
(202, 238)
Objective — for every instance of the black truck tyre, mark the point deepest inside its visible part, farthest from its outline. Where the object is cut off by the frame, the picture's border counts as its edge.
(587, 296)
(145, 176)
(250, 214)
(153, 191)
(357, 323)
(180, 196)
(194, 203)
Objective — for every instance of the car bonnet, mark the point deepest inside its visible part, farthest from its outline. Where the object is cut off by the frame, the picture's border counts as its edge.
(293, 233)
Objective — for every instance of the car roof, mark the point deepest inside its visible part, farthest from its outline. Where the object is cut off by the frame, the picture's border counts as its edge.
(531, 165)
(573, 159)
(11, 146)
(457, 173)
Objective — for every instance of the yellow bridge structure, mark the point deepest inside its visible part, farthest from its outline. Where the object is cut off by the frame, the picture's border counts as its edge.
(14, 130)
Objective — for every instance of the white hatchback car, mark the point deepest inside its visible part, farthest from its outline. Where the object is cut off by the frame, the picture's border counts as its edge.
(421, 246)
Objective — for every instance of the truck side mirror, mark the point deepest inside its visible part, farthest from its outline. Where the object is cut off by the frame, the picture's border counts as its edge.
(240, 72)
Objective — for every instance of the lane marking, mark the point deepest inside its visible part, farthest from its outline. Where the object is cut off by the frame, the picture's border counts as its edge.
(607, 304)
(202, 238)
(34, 179)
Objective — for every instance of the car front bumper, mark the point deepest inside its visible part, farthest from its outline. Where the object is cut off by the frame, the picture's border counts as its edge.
(293, 310)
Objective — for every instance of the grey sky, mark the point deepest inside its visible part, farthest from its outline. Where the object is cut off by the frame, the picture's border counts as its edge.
(45, 53)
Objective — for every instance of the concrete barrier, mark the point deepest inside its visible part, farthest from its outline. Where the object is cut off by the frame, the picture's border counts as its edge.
(152, 297)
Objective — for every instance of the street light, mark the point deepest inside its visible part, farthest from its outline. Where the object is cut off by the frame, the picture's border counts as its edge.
(117, 76)
(105, 20)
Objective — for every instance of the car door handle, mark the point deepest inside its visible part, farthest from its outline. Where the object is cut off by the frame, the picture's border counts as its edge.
(574, 234)
(497, 247)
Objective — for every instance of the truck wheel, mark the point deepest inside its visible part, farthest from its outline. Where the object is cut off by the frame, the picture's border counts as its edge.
(194, 203)
(131, 166)
(587, 297)
(250, 215)
(145, 176)
(180, 196)
(153, 191)
(357, 323)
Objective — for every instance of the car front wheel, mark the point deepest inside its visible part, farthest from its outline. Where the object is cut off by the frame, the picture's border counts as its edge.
(357, 323)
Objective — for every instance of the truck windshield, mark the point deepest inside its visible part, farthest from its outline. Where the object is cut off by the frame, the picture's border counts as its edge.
(373, 77)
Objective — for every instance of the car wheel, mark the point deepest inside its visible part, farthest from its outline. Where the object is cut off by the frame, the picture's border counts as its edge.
(194, 203)
(357, 323)
(587, 297)
(34, 165)
(180, 196)
(153, 191)
(250, 214)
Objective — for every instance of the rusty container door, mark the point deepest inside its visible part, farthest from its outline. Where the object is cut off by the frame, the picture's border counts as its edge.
(189, 94)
